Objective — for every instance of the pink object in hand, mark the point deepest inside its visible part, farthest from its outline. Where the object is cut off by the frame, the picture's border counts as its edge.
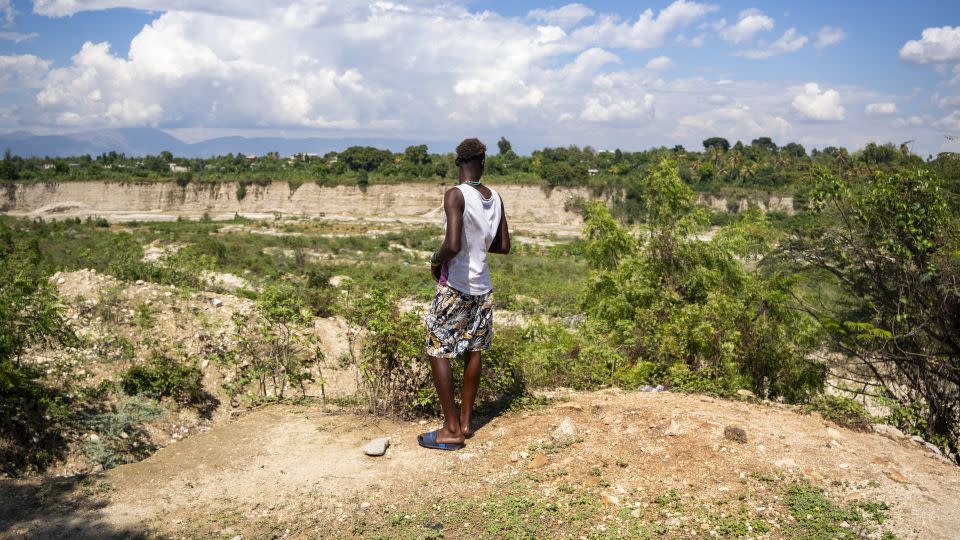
(444, 270)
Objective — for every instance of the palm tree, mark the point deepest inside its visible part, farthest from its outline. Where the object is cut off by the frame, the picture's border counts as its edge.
(843, 158)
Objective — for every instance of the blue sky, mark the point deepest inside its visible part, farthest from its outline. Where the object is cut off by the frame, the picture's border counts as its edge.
(609, 74)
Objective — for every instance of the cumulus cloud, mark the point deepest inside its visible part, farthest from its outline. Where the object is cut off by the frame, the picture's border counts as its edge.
(829, 35)
(376, 68)
(22, 71)
(935, 45)
(647, 31)
(660, 63)
(790, 41)
(750, 22)
(564, 17)
(734, 121)
(880, 108)
(213, 70)
(605, 108)
(347, 66)
(816, 104)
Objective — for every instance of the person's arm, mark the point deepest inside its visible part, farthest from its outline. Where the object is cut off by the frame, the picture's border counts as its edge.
(501, 242)
(453, 208)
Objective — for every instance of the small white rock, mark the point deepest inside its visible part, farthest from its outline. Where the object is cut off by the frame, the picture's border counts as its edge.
(377, 447)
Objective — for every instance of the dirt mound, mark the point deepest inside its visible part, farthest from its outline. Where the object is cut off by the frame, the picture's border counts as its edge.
(298, 471)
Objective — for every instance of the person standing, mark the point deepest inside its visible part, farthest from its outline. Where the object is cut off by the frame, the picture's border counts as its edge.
(460, 319)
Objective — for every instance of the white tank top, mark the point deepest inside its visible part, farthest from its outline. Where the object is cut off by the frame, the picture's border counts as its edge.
(468, 271)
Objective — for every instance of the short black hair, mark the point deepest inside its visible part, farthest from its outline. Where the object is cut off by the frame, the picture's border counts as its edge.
(469, 150)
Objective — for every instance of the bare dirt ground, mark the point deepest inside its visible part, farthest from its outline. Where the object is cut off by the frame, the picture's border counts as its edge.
(298, 471)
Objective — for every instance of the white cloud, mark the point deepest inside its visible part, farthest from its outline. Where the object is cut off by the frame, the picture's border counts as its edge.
(22, 71)
(588, 63)
(751, 22)
(951, 123)
(660, 63)
(7, 13)
(816, 104)
(880, 108)
(17, 37)
(936, 45)
(788, 42)
(912, 121)
(647, 31)
(829, 35)
(733, 121)
(565, 17)
(605, 108)
(940, 100)
(368, 68)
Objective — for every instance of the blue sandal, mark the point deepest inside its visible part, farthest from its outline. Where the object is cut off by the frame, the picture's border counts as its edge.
(429, 440)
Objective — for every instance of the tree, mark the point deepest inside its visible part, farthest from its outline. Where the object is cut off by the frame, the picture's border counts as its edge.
(364, 158)
(875, 154)
(8, 167)
(664, 307)
(891, 246)
(795, 150)
(716, 142)
(765, 144)
(561, 173)
(504, 146)
(417, 155)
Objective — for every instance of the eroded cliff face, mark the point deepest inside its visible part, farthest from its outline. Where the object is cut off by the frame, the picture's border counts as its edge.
(143, 200)
(771, 203)
(168, 200)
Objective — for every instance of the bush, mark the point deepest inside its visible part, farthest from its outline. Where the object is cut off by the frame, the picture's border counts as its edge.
(120, 435)
(33, 418)
(890, 248)
(32, 415)
(275, 353)
(387, 346)
(668, 308)
(163, 377)
(843, 411)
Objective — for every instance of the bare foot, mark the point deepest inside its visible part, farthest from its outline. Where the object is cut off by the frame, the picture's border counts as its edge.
(466, 429)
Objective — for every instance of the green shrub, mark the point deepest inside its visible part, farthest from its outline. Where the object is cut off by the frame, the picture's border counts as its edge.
(274, 353)
(162, 377)
(33, 419)
(120, 437)
(241, 190)
(33, 415)
(389, 352)
(665, 307)
(843, 411)
(890, 246)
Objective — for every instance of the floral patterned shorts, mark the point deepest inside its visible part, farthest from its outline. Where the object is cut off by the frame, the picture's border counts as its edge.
(458, 322)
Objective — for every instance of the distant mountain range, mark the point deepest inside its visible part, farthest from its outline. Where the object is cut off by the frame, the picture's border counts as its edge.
(144, 141)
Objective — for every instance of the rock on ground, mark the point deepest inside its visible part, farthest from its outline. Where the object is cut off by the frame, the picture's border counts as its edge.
(735, 434)
(566, 432)
(377, 447)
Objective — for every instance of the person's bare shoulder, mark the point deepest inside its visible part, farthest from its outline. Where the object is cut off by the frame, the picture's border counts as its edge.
(453, 198)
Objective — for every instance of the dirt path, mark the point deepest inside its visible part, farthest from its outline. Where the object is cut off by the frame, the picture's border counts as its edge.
(298, 471)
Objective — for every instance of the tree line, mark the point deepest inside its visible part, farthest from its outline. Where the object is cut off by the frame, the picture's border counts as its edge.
(761, 164)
